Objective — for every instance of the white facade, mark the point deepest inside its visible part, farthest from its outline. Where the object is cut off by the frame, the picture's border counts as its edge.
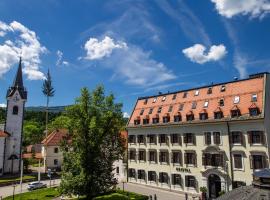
(2, 145)
(14, 123)
(54, 157)
(120, 171)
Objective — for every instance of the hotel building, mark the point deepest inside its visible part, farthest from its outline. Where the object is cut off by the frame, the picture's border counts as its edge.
(213, 136)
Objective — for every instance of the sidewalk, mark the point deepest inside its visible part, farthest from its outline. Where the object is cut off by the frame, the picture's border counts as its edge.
(161, 194)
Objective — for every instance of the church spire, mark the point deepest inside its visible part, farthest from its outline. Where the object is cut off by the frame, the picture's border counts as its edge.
(18, 81)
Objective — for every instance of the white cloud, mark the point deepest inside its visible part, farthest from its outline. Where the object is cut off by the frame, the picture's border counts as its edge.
(197, 53)
(189, 23)
(254, 8)
(60, 61)
(98, 49)
(24, 42)
(3, 105)
(126, 115)
(130, 63)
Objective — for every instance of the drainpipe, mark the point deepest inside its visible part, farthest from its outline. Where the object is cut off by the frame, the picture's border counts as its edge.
(231, 157)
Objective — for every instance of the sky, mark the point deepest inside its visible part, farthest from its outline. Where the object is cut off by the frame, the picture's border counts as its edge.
(134, 48)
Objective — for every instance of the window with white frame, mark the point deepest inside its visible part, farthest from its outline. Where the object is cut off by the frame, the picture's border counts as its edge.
(254, 97)
(236, 100)
(205, 105)
(238, 161)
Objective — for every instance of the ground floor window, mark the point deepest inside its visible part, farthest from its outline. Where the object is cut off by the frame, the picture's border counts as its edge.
(117, 170)
(257, 161)
(55, 162)
(190, 181)
(132, 173)
(238, 164)
(141, 174)
(176, 179)
(152, 176)
(163, 177)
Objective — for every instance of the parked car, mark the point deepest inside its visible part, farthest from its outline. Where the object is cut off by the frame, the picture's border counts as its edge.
(36, 185)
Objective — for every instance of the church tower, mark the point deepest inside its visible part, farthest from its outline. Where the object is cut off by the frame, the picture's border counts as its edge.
(16, 98)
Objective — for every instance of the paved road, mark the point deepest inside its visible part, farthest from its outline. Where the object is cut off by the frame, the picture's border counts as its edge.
(161, 194)
(8, 190)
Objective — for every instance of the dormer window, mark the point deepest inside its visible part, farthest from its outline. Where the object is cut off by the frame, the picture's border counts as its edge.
(205, 105)
(235, 112)
(142, 111)
(185, 95)
(236, 100)
(166, 119)
(223, 88)
(155, 120)
(146, 121)
(137, 121)
(221, 102)
(190, 116)
(203, 116)
(218, 115)
(253, 111)
(170, 109)
(181, 107)
(15, 110)
(163, 98)
(209, 91)
(174, 97)
(150, 111)
(177, 118)
(145, 101)
(155, 100)
(194, 104)
(254, 98)
(197, 93)
(159, 110)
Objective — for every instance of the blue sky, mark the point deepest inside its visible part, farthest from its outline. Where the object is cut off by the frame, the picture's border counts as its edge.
(133, 48)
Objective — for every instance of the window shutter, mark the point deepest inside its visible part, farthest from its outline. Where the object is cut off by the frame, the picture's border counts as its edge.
(148, 139)
(241, 138)
(195, 159)
(186, 181)
(173, 179)
(194, 139)
(249, 137)
(185, 155)
(263, 140)
(263, 161)
(167, 140)
(159, 177)
(251, 161)
(215, 137)
(159, 140)
(221, 160)
(179, 139)
(172, 155)
(181, 158)
(185, 138)
(203, 159)
(167, 157)
(159, 156)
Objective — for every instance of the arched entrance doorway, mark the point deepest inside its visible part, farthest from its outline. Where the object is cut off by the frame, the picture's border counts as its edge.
(214, 185)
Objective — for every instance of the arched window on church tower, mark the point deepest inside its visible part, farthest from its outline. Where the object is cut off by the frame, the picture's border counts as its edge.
(15, 110)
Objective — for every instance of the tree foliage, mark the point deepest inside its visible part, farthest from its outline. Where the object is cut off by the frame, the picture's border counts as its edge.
(33, 133)
(96, 143)
(47, 87)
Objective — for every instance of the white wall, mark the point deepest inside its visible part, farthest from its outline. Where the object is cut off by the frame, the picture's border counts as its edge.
(2, 143)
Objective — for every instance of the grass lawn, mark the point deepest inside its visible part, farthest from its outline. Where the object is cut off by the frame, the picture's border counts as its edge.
(11, 179)
(41, 194)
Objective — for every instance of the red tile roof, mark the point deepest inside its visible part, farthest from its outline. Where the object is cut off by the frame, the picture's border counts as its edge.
(3, 134)
(30, 155)
(54, 139)
(242, 88)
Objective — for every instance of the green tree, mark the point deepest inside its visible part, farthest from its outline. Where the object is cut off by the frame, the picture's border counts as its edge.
(33, 133)
(60, 122)
(96, 143)
(48, 91)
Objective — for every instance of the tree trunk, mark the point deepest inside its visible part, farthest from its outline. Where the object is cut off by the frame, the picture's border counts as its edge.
(46, 135)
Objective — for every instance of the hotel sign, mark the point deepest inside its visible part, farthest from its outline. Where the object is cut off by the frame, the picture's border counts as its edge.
(181, 169)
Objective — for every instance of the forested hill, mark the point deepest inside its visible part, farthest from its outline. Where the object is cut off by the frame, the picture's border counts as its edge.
(55, 109)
